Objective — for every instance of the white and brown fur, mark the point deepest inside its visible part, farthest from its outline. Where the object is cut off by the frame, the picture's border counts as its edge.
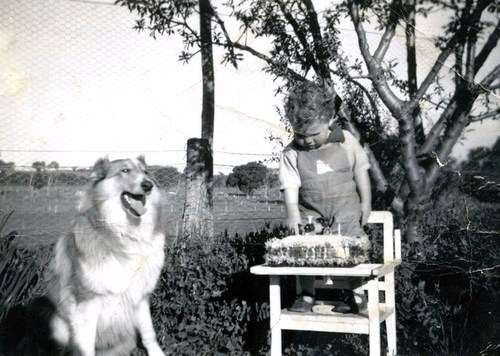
(107, 266)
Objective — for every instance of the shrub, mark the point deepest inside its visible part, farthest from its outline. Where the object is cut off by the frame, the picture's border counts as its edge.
(248, 177)
(194, 314)
(40, 180)
(21, 270)
(445, 296)
(167, 176)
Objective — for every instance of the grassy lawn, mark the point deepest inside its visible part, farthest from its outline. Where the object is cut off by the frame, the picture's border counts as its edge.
(40, 215)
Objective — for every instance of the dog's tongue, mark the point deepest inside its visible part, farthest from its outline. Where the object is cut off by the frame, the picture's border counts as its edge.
(134, 203)
(137, 206)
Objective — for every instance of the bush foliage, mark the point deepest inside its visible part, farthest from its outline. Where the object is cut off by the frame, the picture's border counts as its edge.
(21, 270)
(445, 296)
(194, 313)
(248, 177)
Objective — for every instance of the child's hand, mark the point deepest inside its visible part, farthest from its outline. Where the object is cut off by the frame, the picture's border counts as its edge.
(366, 209)
(292, 210)
(293, 225)
(364, 189)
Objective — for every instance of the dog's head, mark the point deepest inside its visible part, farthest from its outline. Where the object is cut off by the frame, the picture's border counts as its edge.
(127, 179)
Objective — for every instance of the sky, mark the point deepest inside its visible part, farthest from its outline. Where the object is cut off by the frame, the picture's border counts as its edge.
(77, 83)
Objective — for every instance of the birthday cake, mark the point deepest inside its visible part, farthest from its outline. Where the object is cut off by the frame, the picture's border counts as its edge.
(317, 250)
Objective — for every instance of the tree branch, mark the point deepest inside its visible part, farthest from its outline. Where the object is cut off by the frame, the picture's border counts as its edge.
(369, 96)
(469, 66)
(471, 50)
(410, 162)
(487, 115)
(411, 60)
(392, 102)
(319, 49)
(287, 72)
(490, 77)
(411, 53)
(488, 47)
(458, 68)
(494, 87)
(389, 32)
(450, 45)
(458, 120)
(438, 64)
(300, 35)
(448, 115)
(436, 131)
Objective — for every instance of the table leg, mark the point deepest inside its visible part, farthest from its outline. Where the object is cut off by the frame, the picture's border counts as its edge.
(374, 317)
(275, 311)
(390, 322)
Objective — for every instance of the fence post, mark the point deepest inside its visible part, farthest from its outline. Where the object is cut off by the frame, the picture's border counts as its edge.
(198, 207)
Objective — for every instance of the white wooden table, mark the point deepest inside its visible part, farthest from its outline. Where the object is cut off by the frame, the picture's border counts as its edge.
(376, 279)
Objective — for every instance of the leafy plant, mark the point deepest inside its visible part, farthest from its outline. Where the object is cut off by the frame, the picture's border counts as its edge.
(20, 269)
(194, 313)
(445, 297)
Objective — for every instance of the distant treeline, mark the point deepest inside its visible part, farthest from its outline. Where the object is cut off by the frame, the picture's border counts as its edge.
(166, 177)
(40, 179)
(247, 177)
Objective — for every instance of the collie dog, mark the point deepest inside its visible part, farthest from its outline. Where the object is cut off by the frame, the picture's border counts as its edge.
(104, 270)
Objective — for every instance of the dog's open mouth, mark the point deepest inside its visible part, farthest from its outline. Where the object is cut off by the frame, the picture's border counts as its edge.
(134, 203)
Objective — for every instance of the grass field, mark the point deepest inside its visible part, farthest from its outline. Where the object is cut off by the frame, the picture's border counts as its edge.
(40, 215)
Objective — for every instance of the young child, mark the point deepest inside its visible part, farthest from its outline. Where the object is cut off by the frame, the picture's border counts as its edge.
(324, 174)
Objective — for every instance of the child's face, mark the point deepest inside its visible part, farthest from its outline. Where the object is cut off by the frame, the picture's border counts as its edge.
(312, 136)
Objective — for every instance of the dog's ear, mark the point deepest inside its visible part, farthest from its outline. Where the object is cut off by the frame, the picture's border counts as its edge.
(100, 170)
(142, 159)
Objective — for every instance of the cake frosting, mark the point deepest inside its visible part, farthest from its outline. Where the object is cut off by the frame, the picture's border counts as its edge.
(317, 250)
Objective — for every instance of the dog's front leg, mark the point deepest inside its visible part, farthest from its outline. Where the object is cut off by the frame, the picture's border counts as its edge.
(144, 325)
(83, 325)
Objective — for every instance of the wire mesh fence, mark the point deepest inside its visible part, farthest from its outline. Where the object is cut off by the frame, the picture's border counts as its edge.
(45, 200)
(60, 61)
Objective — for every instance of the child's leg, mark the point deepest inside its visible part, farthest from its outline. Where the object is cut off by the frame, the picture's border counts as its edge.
(360, 298)
(306, 285)
(353, 301)
(306, 295)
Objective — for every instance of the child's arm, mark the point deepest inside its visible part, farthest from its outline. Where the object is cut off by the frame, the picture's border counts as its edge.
(365, 193)
(292, 209)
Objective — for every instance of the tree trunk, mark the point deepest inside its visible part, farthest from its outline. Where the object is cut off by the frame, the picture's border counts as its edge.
(207, 69)
(197, 215)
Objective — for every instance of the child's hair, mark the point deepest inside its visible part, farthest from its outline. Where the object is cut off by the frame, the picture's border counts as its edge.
(308, 101)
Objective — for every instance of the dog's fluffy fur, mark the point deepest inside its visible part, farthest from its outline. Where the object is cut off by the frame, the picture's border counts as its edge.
(108, 265)
(104, 270)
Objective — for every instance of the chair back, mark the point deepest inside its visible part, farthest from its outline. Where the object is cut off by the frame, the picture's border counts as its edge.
(392, 238)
